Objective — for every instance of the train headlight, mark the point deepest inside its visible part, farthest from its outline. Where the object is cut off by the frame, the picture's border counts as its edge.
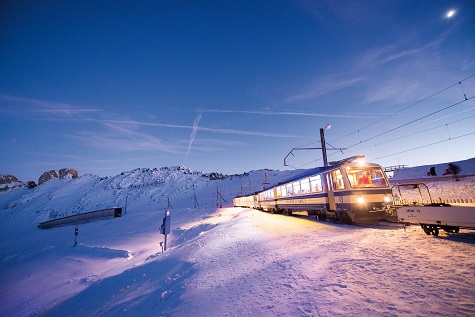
(360, 200)
(387, 199)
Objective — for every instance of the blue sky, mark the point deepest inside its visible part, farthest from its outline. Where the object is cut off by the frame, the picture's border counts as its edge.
(232, 86)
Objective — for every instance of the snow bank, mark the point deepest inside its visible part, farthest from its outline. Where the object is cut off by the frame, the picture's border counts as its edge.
(220, 261)
(420, 172)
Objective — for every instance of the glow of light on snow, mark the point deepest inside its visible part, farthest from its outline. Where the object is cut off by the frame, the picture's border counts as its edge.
(222, 261)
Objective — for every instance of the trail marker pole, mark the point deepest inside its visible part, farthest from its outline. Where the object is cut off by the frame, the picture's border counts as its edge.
(76, 232)
(165, 227)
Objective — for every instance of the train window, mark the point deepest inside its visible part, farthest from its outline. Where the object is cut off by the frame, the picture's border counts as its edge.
(316, 184)
(296, 186)
(378, 178)
(268, 194)
(337, 180)
(278, 192)
(305, 186)
(283, 190)
(271, 193)
(290, 190)
(366, 177)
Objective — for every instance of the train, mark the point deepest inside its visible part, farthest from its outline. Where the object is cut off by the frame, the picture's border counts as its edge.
(350, 191)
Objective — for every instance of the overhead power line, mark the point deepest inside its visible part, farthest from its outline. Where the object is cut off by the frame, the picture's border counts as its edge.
(415, 120)
(415, 133)
(411, 122)
(426, 145)
(410, 106)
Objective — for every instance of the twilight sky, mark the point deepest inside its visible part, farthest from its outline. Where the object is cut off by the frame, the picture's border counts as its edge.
(231, 86)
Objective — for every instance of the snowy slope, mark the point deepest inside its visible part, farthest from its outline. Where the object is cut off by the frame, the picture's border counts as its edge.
(220, 261)
(420, 172)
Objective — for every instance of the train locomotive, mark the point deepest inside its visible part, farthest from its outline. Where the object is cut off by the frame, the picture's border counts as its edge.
(349, 191)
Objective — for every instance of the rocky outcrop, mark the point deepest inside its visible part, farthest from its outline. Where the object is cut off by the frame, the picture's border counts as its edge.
(68, 173)
(8, 182)
(31, 184)
(48, 176)
(8, 179)
(61, 174)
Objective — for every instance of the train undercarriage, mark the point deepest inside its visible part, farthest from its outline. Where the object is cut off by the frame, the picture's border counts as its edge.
(359, 217)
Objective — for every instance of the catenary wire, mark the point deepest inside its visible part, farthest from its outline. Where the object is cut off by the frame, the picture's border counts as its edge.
(403, 125)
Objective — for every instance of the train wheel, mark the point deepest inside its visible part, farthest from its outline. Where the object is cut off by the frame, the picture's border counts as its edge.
(451, 229)
(426, 229)
(435, 231)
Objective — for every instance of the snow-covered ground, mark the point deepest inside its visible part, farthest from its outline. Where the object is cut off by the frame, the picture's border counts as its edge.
(220, 261)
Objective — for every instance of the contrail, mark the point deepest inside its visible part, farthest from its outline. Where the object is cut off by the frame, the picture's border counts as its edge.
(193, 133)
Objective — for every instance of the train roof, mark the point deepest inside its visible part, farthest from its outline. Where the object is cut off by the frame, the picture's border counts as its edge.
(315, 171)
(319, 170)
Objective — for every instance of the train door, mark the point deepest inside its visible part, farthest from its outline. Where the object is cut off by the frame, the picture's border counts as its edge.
(331, 196)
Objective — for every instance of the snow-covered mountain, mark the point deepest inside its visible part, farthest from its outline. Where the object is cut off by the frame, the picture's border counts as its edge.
(220, 261)
(143, 188)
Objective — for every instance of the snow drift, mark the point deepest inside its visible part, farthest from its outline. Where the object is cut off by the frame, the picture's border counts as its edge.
(220, 261)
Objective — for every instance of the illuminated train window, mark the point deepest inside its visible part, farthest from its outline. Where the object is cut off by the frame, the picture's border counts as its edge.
(283, 189)
(316, 184)
(296, 186)
(305, 186)
(337, 180)
(290, 190)
(366, 177)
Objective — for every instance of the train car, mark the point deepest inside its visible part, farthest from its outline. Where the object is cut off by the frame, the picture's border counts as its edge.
(247, 201)
(415, 205)
(349, 191)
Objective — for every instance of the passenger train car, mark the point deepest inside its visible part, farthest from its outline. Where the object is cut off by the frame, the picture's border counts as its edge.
(349, 191)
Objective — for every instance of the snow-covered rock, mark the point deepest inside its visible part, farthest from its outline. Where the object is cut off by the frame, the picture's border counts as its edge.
(9, 182)
(68, 173)
(8, 179)
(61, 174)
(48, 176)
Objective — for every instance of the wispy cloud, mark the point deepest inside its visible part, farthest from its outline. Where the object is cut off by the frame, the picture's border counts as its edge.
(204, 129)
(41, 106)
(377, 61)
(349, 12)
(379, 56)
(193, 132)
(289, 113)
(77, 113)
(396, 89)
(325, 85)
(123, 139)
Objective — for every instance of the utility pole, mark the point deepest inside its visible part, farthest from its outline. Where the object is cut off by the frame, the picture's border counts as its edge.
(264, 185)
(76, 232)
(194, 194)
(126, 197)
(220, 196)
(324, 148)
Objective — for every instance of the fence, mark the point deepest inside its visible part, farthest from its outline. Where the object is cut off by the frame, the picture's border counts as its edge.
(469, 202)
